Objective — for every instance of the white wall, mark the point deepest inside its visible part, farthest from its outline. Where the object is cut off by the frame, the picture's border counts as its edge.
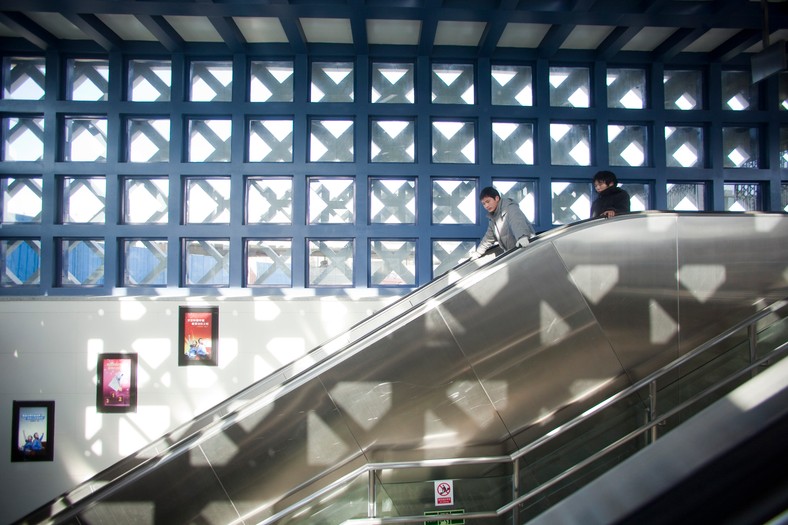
(49, 349)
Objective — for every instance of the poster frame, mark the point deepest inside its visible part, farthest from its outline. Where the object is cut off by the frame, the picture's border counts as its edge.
(106, 364)
(187, 357)
(18, 451)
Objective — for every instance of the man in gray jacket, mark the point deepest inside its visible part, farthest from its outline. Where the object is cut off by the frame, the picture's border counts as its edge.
(509, 227)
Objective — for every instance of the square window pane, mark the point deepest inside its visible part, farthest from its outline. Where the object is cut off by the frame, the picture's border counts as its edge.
(738, 92)
(783, 90)
(87, 79)
(211, 81)
(392, 83)
(145, 201)
(523, 192)
(784, 196)
(392, 262)
(209, 140)
(271, 140)
(686, 196)
(22, 201)
(570, 87)
(23, 138)
(24, 78)
(453, 84)
(331, 201)
(683, 89)
(330, 262)
(742, 197)
(448, 253)
(740, 147)
(145, 262)
(332, 82)
(571, 201)
(207, 262)
(392, 140)
(784, 147)
(684, 147)
(454, 142)
(207, 200)
(149, 140)
(269, 262)
(512, 86)
(454, 201)
(330, 140)
(639, 195)
(85, 140)
(513, 143)
(627, 145)
(150, 80)
(271, 81)
(82, 262)
(21, 262)
(84, 200)
(570, 144)
(269, 201)
(392, 201)
(626, 88)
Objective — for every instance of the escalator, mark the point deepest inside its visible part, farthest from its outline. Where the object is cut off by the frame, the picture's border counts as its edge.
(481, 362)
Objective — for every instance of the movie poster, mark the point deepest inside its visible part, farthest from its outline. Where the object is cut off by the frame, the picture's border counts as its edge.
(198, 336)
(33, 426)
(117, 383)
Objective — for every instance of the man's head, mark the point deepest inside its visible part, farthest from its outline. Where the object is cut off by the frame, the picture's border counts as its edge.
(490, 198)
(604, 180)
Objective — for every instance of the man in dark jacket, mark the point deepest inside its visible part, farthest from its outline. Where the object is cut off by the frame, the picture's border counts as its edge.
(611, 200)
(509, 227)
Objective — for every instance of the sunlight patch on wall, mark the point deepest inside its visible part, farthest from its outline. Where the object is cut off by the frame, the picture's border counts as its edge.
(324, 447)
(131, 310)
(266, 310)
(663, 327)
(366, 402)
(201, 377)
(334, 315)
(437, 433)
(93, 422)
(595, 280)
(154, 351)
(228, 352)
(286, 349)
(702, 280)
(498, 391)
(138, 430)
(553, 327)
(469, 397)
(94, 348)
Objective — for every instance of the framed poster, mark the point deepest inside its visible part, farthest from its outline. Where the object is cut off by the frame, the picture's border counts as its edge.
(33, 431)
(198, 336)
(116, 390)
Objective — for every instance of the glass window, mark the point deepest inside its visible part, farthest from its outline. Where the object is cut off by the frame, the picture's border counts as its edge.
(686, 196)
(783, 90)
(332, 82)
(639, 195)
(740, 147)
(570, 87)
(742, 196)
(24, 78)
(523, 192)
(271, 140)
(82, 262)
(21, 262)
(269, 200)
(784, 147)
(209, 140)
(454, 142)
(271, 81)
(571, 201)
(392, 140)
(85, 139)
(454, 201)
(448, 253)
(145, 201)
(513, 143)
(570, 144)
(87, 79)
(22, 202)
(393, 83)
(684, 147)
(784, 196)
(269, 262)
(331, 200)
(207, 200)
(512, 85)
(23, 138)
(683, 89)
(392, 262)
(84, 200)
(453, 84)
(149, 139)
(150, 80)
(211, 81)
(144, 262)
(392, 201)
(207, 262)
(738, 92)
(330, 262)
(330, 140)
(627, 145)
(626, 88)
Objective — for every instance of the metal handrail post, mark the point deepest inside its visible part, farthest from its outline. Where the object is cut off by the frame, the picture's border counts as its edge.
(372, 501)
(516, 490)
(652, 408)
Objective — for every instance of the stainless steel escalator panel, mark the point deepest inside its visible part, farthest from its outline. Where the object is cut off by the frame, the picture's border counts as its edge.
(532, 341)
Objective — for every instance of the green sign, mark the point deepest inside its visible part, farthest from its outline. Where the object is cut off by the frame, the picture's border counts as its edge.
(458, 521)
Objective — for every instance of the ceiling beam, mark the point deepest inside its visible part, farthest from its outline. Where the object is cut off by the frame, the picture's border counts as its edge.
(93, 27)
(676, 43)
(615, 41)
(29, 30)
(228, 30)
(164, 33)
(735, 45)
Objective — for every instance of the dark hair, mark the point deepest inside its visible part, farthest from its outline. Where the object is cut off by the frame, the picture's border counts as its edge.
(608, 177)
(489, 191)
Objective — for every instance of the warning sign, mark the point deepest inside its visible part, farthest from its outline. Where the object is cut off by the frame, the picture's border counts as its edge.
(444, 492)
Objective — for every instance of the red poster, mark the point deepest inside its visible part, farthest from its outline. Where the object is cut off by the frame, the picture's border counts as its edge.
(198, 335)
